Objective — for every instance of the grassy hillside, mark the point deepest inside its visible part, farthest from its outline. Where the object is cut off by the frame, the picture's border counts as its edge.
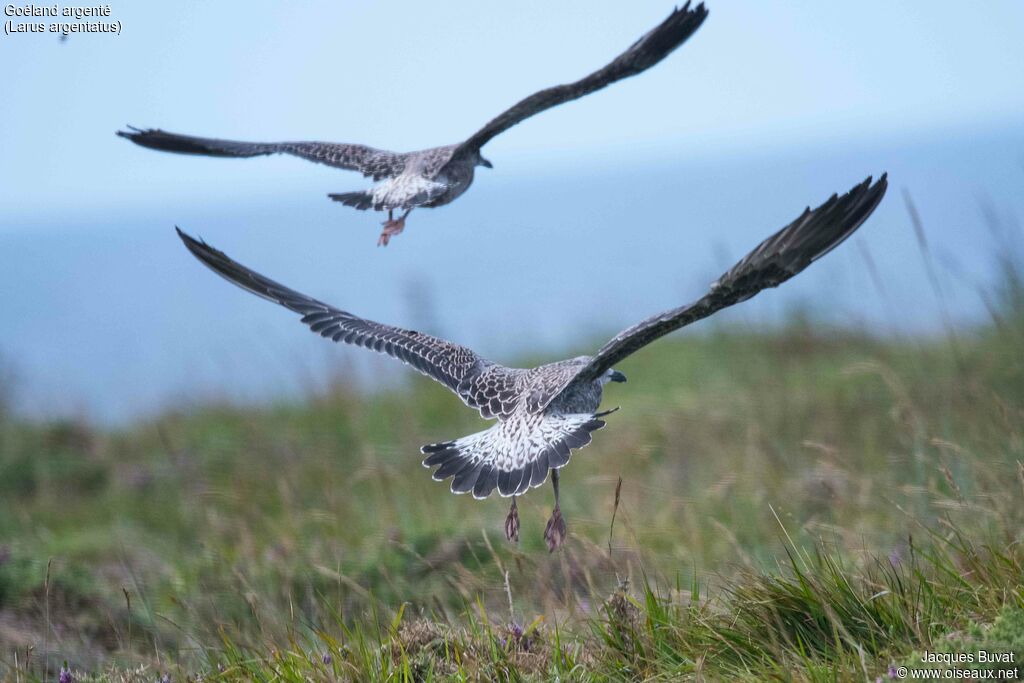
(807, 504)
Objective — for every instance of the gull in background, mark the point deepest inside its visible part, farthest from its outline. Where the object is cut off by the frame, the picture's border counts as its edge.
(434, 177)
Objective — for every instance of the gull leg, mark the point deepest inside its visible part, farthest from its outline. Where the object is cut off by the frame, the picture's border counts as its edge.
(512, 523)
(555, 532)
(392, 227)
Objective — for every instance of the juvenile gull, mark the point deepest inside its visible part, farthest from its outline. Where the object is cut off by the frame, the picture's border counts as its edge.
(437, 176)
(544, 413)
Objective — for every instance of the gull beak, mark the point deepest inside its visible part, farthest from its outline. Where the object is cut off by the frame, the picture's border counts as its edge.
(616, 376)
(485, 163)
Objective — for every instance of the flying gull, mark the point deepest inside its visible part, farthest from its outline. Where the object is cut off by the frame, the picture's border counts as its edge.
(437, 176)
(544, 413)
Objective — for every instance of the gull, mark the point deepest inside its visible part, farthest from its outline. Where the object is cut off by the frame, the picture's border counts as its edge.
(544, 413)
(434, 177)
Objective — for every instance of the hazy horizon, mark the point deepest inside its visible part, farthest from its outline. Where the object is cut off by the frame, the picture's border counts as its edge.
(597, 213)
(113, 320)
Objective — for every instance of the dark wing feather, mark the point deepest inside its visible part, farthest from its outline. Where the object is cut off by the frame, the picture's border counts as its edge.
(377, 163)
(815, 233)
(641, 55)
(454, 366)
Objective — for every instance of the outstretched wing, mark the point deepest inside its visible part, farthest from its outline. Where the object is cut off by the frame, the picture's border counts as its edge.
(641, 55)
(478, 382)
(377, 163)
(815, 233)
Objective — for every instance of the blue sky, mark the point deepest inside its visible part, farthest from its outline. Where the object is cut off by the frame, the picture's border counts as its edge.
(407, 75)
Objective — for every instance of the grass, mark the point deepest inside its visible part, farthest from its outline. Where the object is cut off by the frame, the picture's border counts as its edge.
(803, 504)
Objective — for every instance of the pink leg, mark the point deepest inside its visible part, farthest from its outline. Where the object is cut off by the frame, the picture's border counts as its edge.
(392, 227)
(555, 531)
(512, 523)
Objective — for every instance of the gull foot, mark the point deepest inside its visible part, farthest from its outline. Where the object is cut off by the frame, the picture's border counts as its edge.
(554, 533)
(512, 523)
(391, 228)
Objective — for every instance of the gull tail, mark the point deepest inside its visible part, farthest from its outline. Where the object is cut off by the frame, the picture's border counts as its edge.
(512, 456)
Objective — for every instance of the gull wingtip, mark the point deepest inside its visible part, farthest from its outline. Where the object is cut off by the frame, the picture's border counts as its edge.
(184, 236)
(878, 187)
(132, 132)
(196, 246)
(698, 11)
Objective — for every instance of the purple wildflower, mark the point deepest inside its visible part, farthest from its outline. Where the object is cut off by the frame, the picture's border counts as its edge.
(65, 675)
(327, 659)
(517, 637)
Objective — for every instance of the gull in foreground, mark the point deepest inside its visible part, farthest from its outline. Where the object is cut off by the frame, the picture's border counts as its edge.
(546, 412)
(437, 176)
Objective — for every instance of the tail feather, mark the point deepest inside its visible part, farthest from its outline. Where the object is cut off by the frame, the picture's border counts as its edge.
(486, 480)
(439, 452)
(540, 470)
(357, 200)
(451, 467)
(464, 481)
(505, 480)
(488, 460)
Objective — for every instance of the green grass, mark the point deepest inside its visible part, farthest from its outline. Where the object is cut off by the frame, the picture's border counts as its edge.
(796, 505)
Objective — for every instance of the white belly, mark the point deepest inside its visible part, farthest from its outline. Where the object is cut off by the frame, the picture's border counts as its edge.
(406, 191)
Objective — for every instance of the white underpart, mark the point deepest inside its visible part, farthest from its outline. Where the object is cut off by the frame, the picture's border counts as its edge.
(405, 191)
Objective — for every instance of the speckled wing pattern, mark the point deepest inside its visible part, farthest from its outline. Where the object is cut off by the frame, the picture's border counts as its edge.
(815, 233)
(489, 387)
(376, 163)
(641, 55)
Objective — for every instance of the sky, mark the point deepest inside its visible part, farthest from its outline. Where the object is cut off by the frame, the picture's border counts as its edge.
(410, 75)
(665, 178)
